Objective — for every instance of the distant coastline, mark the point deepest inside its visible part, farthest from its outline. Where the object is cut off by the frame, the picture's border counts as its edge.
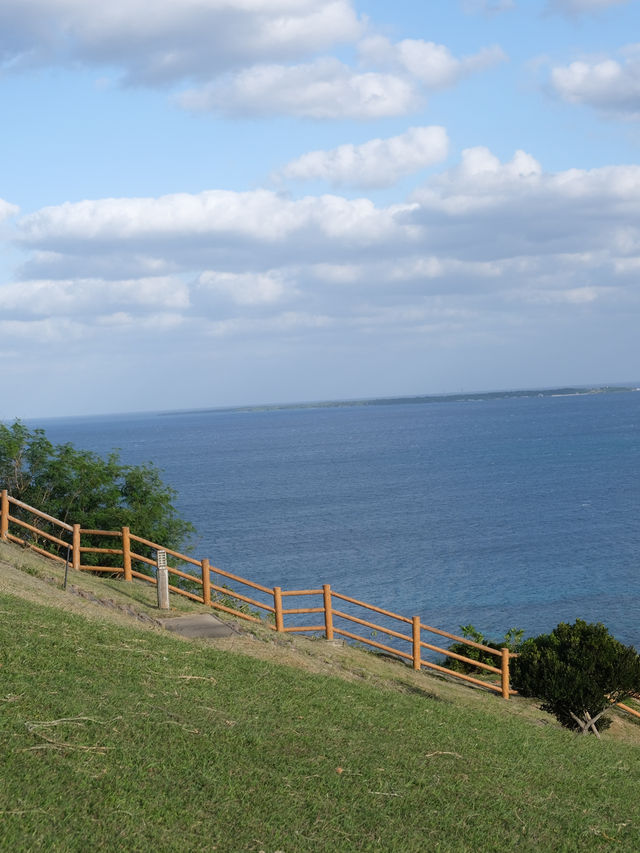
(481, 397)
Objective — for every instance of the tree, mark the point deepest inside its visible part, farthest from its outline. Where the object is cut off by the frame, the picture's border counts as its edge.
(80, 487)
(511, 641)
(579, 671)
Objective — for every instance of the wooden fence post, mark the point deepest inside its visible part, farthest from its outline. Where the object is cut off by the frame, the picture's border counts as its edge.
(76, 547)
(417, 663)
(505, 673)
(4, 516)
(206, 581)
(277, 603)
(126, 553)
(328, 613)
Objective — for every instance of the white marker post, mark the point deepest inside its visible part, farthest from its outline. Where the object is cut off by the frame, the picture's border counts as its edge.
(162, 576)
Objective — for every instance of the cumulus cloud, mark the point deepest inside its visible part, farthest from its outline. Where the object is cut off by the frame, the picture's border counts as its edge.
(323, 89)
(498, 210)
(500, 240)
(7, 210)
(215, 223)
(250, 57)
(71, 297)
(246, 289)
(43, 331)
(328, 88)
(242, 232)
(608, 85)
(433, 65)
(164, 41)
(242, 245)
(482, 181)
(376, 163)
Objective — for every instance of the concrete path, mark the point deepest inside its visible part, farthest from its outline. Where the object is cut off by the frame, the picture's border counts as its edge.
(198, 625)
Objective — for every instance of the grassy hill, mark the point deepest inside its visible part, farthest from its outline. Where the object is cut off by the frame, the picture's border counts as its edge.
(116, 734)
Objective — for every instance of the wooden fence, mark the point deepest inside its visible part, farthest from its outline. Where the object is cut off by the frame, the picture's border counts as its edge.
(335, 614)
(212, 586)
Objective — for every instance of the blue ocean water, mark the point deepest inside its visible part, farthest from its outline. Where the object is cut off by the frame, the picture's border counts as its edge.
(504, 512)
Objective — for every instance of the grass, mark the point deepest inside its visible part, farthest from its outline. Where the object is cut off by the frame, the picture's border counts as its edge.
(115, 734)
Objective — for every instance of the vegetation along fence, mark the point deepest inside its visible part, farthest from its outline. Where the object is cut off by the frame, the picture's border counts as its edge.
(335, 614)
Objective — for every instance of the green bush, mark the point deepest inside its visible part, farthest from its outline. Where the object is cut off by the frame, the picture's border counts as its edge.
(80, 487)
(511, 641)
(579, 671)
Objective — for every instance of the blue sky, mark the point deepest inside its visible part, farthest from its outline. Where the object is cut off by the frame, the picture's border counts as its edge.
(220, 202)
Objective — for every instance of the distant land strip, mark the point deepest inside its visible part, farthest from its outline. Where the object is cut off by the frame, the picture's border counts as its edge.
(483, 397)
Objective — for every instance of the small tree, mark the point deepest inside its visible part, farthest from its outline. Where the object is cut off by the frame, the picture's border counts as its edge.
(511, 641)
(78, 486)
(579, 671)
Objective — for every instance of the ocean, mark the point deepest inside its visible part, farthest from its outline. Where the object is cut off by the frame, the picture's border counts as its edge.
(518, 511)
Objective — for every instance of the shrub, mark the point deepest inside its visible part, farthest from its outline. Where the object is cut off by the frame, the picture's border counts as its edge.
(579, 671)
(80, 487)
(511, 641)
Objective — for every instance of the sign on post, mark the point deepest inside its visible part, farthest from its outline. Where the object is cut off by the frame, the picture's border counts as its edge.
(162, 577)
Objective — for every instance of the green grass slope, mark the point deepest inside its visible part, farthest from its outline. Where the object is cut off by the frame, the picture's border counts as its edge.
(114, 734)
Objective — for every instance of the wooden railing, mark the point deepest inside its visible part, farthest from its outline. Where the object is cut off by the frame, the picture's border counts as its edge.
(337, 615)
(204, 588)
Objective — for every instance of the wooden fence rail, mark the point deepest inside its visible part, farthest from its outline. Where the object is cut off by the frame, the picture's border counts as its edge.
(211, 586)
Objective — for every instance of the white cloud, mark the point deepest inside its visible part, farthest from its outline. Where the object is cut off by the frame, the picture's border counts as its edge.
(323, 89)
(571, 296)
(607, 85)
(43, 332)
(90, 296)
(246, 289)
(579, 7)
(336, 273)
(480, 240)
(168, 40)
(245, 57)
(488, 7)
(241, 246)
(7, 210)
(328, 89)
(376, 163)
(628, 266)
(481, 206)
(286, 323)
(121, 320)
(499, 210)
(482, 182)
(432, 64)
(479, 182)
(216, 220)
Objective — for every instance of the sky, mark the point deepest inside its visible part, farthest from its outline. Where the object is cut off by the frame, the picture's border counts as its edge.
(230, 202)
